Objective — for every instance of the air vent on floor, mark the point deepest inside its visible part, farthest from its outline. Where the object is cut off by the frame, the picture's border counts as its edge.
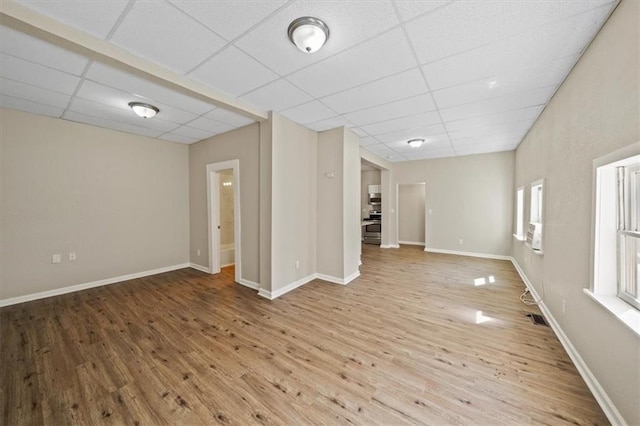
(537, 319)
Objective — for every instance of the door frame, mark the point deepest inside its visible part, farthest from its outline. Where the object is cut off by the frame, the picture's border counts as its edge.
(213, 215)
(426, 210)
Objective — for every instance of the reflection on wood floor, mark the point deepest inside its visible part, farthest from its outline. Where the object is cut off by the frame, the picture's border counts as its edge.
(419, 338)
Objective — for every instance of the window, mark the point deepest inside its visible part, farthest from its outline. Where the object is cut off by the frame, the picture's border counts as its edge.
(534, 228)
(536, 202)
(628, 232)
(519, 214)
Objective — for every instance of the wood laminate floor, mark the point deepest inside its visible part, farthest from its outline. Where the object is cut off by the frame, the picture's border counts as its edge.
(414, 340)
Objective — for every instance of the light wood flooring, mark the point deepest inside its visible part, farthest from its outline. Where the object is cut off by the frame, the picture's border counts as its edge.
(412, 341)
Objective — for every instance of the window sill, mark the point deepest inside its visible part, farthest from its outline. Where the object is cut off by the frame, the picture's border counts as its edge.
(535, 251)
(519, 238)
(621, 310)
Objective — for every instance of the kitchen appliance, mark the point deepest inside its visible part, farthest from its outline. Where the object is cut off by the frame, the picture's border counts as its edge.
(375, 200)
(373, 231)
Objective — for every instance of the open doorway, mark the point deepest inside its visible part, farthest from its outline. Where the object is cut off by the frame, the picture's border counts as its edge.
(412, 209)
(223, 196)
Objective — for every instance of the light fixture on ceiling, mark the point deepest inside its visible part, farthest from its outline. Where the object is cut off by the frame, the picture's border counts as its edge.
(415, 143)
(143, 110)
(308, 34)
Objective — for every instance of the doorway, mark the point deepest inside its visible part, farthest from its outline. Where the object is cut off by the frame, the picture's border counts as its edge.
(223, 213)
(412, 209)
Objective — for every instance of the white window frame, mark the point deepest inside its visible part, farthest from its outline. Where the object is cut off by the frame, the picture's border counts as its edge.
(519, 210)
(604, 243)
(628, 232)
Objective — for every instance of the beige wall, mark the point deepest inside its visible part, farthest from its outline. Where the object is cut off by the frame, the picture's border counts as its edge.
(594, 112)
(120, 201)
(293, 202)
(470, 198)
(411, 212)
(242, 144)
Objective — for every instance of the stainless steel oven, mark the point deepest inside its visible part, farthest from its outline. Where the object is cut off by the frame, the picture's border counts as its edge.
(373, 231)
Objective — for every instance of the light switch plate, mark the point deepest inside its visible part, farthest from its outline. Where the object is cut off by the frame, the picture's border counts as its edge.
(56, 258)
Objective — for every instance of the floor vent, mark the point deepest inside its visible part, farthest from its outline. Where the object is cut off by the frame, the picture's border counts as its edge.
(537, 319)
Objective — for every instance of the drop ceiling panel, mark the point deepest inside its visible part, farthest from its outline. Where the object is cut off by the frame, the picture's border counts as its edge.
(368, 140)
(328, 123)
(119, 114)
(177, 138)
(386, 54)
(409, 9)
(396, 109)
(413, 121)
(32, 49)
(37, 75)
(506, 139)
(29, 106)
(229, 18)
(484, 149)
(503, 103)
(496, 129)
(277, 96)
(110, 124)
(27, 92)
(208, 125)
(385, 90)
(309, 112)
(349, 22)
(192, 132)
(227, 117)
(432, 143)
(233, 72)
(94, 17)
(491, 120)
(420, 132)
(121, 80)
(161, 33)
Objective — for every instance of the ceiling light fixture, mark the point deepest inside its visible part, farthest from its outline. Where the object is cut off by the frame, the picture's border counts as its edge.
(415, 143)
(308, 34)
(143, 110)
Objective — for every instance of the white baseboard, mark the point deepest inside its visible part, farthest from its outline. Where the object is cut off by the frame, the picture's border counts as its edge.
(412, 243)
(250, 284)
(227, 264)
(286, 289)
(200, 268)
(594, 386)
(336, 280)
(385, 246)
(92, 284)
(471, 254)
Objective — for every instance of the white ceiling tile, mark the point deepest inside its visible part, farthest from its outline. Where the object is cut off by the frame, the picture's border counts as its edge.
(328, 123)
(369, 140)
(233, 71)
(435, 142)
(413, 121)
(379, 92)
(430, 154)
(94, 17)
(505, 139)
(110, 124)
(29, 106)
(100, 93)
(397, 109)
(513, 82)
(160, 33)
(495, 129)
(123, 115)
(349, 22)
(227, 117)
(308, 113)
(386, 54)
(491, 120)
(524, 99)
(37, 75)
(32, 49)
(419, 132)
(212, 126)
(32, 93)
(123, 81)
(277, 96)
(359, 132)
(484, 149)
(229, 18)
(177, 138)
(409, 9)
(191, 132)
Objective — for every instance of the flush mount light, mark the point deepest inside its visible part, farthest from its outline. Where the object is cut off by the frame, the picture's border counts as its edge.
(308, 34)
(415, 143)
(143, 110)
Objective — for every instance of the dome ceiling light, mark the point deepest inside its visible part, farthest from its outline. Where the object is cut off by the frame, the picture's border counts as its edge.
(415, 143)
(308, 34)
(143, 110)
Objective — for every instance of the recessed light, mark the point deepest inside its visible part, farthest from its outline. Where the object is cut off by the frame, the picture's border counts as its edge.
(308, 34)
(415, 143)
(143, 110)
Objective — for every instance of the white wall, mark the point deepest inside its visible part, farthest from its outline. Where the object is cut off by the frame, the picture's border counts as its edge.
(119, 201)
(593, 113)
(411, 212)
(471, 198)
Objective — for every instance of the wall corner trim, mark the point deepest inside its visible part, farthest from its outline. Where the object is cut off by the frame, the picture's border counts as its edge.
(250, 284)
(466, 253)
(200, 268)
(386, 246)
(336, 280)
(594, 386)
(92, 284)
(286, 289)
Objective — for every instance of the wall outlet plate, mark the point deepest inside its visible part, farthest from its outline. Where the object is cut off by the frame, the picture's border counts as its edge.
(56, 258)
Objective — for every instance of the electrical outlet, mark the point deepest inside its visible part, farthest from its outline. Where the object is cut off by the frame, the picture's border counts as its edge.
(297, 264)
(72, 255)
(198, 252)
(564, 306)
(461, 241)
(56, 258)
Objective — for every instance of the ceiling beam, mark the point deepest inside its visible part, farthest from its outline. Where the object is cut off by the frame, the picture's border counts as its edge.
(28, 21)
